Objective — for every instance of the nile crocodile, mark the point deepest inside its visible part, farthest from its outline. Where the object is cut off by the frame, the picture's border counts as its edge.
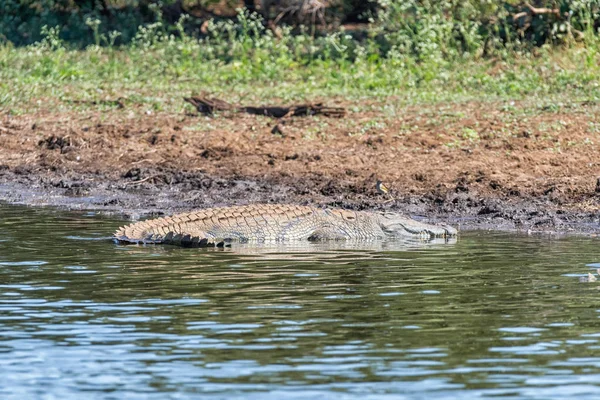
(274, 222)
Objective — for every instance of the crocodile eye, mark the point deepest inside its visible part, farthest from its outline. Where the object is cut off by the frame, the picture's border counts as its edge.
(349, 217)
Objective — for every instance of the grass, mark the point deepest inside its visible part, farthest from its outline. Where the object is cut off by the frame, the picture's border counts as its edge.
(155, 71)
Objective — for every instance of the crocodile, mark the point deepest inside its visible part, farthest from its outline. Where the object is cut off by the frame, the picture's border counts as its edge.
(274, 222)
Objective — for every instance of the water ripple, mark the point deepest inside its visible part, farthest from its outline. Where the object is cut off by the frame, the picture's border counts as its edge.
(489, 315)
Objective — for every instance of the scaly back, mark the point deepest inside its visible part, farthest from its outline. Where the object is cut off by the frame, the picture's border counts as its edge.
(257, 221)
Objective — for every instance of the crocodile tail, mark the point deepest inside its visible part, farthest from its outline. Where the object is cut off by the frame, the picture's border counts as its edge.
(140, 232)
(144, 232)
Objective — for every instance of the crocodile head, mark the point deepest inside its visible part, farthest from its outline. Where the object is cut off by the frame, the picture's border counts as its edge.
(394, 224)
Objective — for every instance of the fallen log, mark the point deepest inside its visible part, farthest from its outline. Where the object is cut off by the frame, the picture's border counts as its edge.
(207, 105)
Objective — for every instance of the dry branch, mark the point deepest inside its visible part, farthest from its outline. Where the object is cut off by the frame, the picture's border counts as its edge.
(542, 10)
(532, 11)
(206, 105)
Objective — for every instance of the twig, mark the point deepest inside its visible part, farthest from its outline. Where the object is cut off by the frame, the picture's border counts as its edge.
(536, 11)
(519, 15)
(141, 180)
(543, 10)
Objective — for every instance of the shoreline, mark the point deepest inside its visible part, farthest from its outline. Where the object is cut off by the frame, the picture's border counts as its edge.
(116, 197)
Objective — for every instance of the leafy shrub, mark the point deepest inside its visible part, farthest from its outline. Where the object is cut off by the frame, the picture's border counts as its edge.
(419, 29)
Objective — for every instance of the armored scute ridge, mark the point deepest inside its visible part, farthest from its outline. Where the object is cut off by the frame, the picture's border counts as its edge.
(274, 222)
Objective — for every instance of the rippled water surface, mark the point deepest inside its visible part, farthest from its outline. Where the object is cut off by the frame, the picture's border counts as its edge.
(494, 314)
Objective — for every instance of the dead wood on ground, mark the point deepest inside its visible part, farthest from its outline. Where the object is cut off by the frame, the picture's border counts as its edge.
(207, 105)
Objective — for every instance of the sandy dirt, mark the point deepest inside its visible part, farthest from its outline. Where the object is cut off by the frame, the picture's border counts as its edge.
(477, 165)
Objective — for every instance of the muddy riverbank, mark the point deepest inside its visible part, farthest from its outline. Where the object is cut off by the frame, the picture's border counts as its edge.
(477, 165)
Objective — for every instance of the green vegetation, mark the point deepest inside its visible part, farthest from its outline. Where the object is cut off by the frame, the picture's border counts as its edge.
(422, 26)
(418, 51)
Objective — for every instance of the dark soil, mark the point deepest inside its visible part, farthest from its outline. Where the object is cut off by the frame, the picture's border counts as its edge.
(476, 165)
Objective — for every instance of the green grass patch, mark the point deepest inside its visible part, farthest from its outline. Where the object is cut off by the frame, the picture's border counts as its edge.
(251, 65)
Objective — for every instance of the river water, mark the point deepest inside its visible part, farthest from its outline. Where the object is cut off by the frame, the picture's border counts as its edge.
(492, 314)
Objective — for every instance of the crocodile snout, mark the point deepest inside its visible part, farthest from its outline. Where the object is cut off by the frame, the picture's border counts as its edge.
(440, 232)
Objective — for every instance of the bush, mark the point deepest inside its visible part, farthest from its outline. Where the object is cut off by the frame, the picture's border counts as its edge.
(437, 29)
(21, 21)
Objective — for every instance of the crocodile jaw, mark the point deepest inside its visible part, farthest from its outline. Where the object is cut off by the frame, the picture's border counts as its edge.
(396, 225)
